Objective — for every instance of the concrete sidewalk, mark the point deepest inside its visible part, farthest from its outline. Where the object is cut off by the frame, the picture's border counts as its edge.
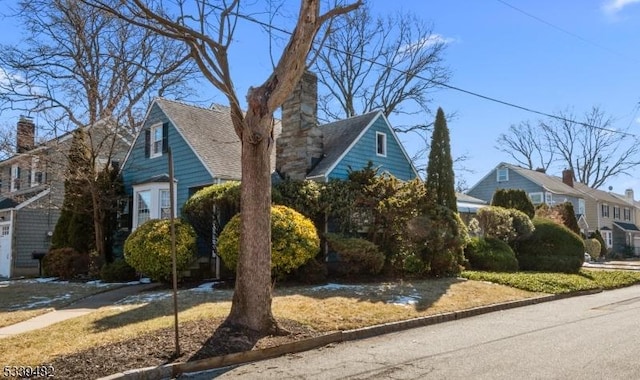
(632, 265)
(76, 309)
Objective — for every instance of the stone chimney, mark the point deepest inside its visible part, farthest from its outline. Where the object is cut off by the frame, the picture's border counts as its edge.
(628, 194)
(300, 146)
(567, 177)
(25, 134)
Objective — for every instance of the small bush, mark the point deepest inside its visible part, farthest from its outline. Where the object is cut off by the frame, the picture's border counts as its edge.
(603, 247)
(294, 241)
(355, 256)
(491, 254)
(551, 248)
(313, 271)
(148, 248)
(592, 247)
(496, 222)
(65, 263)
(118, 271)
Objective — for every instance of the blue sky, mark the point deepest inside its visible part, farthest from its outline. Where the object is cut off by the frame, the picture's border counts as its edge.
(561, 54)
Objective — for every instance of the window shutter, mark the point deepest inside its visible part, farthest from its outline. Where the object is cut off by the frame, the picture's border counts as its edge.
(147, 143)
(165, 137)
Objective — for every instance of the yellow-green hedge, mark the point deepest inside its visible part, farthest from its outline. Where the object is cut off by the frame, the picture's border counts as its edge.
(294, 241)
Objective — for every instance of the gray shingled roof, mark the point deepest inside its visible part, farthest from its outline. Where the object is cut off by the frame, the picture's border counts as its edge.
(551, 183)
(461, 197)
(337, 137)
(210, 133)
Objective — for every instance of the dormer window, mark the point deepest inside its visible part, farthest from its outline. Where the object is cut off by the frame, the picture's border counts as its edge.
(381, 144)
(502, 175)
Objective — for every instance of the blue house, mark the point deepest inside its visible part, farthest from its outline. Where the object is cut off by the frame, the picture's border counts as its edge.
(206, 150)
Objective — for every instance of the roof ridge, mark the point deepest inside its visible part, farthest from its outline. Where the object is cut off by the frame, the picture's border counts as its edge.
(192, 105)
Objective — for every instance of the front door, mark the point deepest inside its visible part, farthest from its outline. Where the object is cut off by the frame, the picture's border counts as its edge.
(5, 249)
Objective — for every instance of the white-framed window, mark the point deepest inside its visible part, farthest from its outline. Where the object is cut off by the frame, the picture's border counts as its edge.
(581, 206)
(15, 177)
(381, 144)
(536, 198)
(616, 212)
(151, 201)
(626, 213)
(608, 239)
(156, 141)
(604, 210)
(36, 174)
(502, 175)
(548, 198)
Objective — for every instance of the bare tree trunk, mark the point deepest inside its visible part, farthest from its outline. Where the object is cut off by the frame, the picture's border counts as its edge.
(251, 307)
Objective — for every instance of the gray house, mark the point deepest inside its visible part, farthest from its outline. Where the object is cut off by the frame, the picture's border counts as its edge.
(32, 192)
(612, 214)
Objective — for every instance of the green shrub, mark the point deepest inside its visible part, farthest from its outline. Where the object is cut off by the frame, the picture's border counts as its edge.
(198, 210)
(355, 256)
(496, 222)
(439, 237)
(551, 248)
(65, 263)
(294, 241)
(603, 247)
(118, 271)
(491, 254)
(313, 271)
(302, 196)
(592, 246)
(148, 248)
(515, 199)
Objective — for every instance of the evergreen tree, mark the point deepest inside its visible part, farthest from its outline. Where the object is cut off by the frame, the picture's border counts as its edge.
(75, 225)
(514, 198)
(440, 178)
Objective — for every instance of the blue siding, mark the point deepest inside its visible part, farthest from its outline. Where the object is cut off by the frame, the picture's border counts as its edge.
(488, 185)
(395, 162)
(188, 169)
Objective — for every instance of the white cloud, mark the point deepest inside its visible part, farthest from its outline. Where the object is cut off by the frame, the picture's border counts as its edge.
(432, 39)
(615, 6)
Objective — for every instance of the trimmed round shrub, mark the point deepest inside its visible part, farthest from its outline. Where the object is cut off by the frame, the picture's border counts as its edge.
(496, 222)
(355, 256)
(313, 271)
(491, 254)
(65, 263)
(148, 248)
(294, 241)
(515, 199)
(118, 271)
(592, 247)
(551, 248)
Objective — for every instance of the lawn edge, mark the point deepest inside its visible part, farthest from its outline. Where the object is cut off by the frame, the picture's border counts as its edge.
(173, 370)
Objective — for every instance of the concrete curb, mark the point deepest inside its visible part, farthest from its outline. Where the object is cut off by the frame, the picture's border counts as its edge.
(173, 370)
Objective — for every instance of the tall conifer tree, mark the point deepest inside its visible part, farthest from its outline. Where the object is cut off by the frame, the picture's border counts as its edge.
(440, 177)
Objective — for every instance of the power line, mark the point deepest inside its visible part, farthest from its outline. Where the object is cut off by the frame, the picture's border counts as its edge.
(442, 84)
(567, 32)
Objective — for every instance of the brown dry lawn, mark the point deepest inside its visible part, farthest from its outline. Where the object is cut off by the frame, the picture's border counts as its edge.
(144, 323)
(24, 299)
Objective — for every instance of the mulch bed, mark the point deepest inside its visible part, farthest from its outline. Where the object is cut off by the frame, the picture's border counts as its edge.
(197, 339)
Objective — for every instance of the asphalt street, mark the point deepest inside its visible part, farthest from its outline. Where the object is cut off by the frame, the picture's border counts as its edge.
(588, 337)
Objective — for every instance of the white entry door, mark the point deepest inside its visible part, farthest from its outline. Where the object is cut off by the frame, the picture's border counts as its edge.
(5, 249)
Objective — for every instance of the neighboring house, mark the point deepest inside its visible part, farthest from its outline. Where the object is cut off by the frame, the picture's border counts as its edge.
(32, 193)
(468, 206)
(610, 213)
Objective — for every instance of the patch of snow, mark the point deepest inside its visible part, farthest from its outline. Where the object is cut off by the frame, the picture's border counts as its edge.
(41, 301)
(331, 286)
(144, 298)
(405, 300)
(44, 279)
(145, 280)
(206, 287)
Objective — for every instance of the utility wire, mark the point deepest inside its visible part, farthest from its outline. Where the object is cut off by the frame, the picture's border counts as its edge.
(442, 84)
(574, 35)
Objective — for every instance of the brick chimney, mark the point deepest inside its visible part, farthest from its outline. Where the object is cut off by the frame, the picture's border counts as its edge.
(567, 177)
(25, 134)
(300, 146)
(628, 194)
